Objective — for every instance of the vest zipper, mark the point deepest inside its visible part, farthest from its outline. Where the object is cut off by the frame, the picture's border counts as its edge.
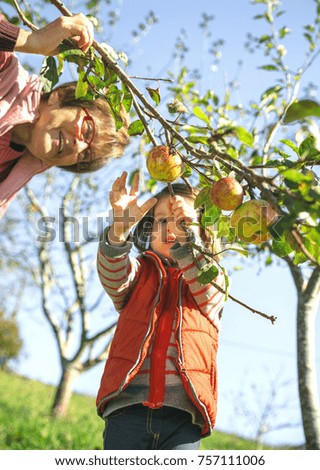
(158, 361)
(180, 363)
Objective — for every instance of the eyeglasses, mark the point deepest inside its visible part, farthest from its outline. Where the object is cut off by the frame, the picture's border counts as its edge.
(87, 133)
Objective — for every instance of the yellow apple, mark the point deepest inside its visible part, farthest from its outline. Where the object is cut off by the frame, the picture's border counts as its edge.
(164, 164)
(226, 193)
(252, 219)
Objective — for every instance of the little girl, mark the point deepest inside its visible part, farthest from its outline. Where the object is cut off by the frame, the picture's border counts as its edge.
(159, 386)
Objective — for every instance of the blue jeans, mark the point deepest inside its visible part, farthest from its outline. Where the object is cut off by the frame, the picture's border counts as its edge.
(138, 427)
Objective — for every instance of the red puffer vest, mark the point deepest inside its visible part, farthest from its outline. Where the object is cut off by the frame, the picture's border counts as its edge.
(197, 339)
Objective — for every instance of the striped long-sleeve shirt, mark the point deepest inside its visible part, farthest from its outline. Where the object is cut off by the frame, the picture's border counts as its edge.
(118, 272)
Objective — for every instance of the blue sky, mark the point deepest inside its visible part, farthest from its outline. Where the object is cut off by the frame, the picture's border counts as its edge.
(253, 353)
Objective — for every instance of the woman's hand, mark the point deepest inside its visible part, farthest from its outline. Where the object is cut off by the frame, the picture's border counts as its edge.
(126, 211)
(46, 40)
(184, 214)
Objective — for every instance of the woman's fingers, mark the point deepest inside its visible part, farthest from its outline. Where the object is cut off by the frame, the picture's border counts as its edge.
(85, 35)
(80, 28)
(46, 40)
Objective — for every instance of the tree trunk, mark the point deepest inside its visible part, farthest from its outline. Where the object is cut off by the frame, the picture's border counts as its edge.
(64, 391)
(308, 302)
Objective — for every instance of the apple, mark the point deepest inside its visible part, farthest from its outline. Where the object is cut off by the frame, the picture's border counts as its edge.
(226, 193)
(164, 164)
(252, 219)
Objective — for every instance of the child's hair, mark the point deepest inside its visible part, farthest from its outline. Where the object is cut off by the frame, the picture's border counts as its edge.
(143, 231)
(108, 141)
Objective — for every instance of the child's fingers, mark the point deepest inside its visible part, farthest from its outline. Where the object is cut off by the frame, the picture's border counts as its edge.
(111, 198)
(148, 205)
(135, 185)
(119, 184)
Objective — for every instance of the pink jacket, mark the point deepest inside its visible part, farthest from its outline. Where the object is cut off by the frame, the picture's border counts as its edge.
(19, 100)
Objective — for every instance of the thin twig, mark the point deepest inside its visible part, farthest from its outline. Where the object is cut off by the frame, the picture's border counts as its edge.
(152, 79)
(143, 119)
(206, 252)
(24, 18)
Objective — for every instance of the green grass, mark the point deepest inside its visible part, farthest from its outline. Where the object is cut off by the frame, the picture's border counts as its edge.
(25, 422)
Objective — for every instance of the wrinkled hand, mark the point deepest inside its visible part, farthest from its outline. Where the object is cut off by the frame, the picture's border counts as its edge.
(126, 211)
(46, 40)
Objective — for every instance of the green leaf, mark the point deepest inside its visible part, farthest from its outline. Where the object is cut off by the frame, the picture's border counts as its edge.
(281, 247)
(197, 111)
(239, 249)
(110, 77)
(98, 67)
(290, 144)
(283, 224)
(82, 86)
(302, 109)
(307, 148)
(210, 215)
(49, 73)
(136, 128)
(208, 274)
(223, 226)
(187, 172)
(281, 152)
(244, 136)
(155, 94)
(197, 139)
(296, 177)
(202, 197)
(126, 99)
(96, 82)
(268, 67)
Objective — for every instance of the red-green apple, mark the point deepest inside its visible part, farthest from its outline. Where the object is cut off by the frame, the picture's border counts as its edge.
(164, 164)
(252, 219)
(226, 193)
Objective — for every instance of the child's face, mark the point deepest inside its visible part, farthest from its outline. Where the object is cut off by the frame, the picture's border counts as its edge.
(60, 135)
(165, 226)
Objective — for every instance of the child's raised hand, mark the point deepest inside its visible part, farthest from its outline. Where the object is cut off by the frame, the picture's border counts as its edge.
(46, 40)
(184, 215)
(126, 211)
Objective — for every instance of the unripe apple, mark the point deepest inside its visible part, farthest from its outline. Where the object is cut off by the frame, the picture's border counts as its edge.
(226, 193)
(164, 164)
(252, 219)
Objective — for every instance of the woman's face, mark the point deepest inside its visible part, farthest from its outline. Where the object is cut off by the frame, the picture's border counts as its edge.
(61, 136)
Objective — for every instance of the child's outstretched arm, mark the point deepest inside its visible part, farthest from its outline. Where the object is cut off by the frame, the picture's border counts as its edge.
(209, 299)
(117, 271)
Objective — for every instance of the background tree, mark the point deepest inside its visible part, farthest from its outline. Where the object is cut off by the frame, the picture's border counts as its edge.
(10, 341)
(262, 404)
(64, 268)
